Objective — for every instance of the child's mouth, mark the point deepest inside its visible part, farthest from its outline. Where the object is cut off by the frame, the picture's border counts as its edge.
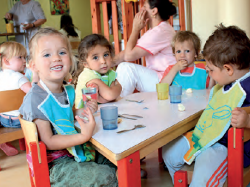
(56, 68)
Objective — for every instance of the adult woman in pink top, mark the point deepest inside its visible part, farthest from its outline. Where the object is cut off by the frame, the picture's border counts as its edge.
(154, 45)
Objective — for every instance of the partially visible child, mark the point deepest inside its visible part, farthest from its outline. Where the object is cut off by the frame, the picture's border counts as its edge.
(186, 47)
(96, 53)
(12, 63)
(227, 54)
(49, 105)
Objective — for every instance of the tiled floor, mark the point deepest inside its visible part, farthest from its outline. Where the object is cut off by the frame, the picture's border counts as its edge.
(14, 171)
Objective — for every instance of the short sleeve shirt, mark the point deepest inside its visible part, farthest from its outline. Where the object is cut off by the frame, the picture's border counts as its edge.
(157, 41)
(11, 80)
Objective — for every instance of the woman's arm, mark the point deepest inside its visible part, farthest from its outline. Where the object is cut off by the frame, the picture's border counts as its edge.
(108, 93)
(58, 142)
(131, 52)
(37, 23)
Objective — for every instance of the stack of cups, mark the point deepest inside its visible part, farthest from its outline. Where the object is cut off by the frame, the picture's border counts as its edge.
(175, 92)
(109, 116)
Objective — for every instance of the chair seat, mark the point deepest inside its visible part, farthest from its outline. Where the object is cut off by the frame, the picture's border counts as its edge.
(10, 134)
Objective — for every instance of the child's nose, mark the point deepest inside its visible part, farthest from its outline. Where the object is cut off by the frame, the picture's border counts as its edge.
(56, 58)
(103, 61)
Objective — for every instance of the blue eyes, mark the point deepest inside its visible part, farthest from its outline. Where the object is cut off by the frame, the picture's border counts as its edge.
(60, 53)
(179, 51)
(105, 56)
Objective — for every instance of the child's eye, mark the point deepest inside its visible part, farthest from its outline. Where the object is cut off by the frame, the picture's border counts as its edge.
(95, 57)
(62, 53)
(178, 51)
(46, 55)
(106, 55)
(187, 51)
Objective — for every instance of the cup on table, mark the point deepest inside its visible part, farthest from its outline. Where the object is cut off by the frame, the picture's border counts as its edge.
(175, 92)
(109, 116)
(162, 91)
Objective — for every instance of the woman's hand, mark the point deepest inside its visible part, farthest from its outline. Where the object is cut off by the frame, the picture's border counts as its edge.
(8, 16)
(140, 21)
(240, 118)
(27, 26)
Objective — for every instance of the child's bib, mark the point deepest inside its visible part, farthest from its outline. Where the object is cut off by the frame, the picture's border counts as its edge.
(62, 119)
(215, 119)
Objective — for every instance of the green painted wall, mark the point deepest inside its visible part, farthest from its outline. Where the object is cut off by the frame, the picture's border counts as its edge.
(79, 10)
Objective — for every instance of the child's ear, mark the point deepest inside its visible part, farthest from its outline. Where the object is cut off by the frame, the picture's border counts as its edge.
(32, 66)
(229, 69)
(5, 61)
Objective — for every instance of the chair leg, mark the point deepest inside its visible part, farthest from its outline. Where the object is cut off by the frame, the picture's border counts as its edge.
(160, 160)
(180, 179)
(22, 144)
(235, 157)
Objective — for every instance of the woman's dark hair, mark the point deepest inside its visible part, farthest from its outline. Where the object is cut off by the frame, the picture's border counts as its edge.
(91, 41)
(165, 8)
(67, 25)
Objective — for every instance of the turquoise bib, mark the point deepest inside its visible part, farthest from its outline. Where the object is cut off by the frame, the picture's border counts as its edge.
(197, 80)
(62, 118)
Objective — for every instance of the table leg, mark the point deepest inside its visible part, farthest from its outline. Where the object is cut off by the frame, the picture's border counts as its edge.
(7, 39)
(129, 171)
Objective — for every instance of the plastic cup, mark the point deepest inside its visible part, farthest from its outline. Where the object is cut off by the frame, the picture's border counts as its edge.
(162, 91)
(175, 92)
(109, 116)
(21, 26)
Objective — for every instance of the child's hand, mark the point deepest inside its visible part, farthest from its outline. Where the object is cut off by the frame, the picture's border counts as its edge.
(240, 118)
(181, 64)
(87, 127)
(93, 85)
(92, 105)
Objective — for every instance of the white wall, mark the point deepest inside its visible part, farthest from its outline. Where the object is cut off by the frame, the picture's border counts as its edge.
(208, 13)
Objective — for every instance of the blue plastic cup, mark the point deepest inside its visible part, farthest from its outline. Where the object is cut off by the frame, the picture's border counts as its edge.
(109, 116)
(175, 92)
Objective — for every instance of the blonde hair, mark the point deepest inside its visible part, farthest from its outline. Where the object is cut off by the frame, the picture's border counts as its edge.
(45, 32)
(11, 49)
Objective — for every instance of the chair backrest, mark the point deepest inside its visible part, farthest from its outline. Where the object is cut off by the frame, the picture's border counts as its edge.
(36, 152)
(11, 100)
(30, 134)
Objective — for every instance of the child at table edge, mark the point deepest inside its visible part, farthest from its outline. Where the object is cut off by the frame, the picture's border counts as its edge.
(186, 48)
(72, 160)
(227, 53)
(96, 53)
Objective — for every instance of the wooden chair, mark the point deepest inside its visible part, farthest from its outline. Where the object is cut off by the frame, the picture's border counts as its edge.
(36, 154)
(11, 100)
(237, 175)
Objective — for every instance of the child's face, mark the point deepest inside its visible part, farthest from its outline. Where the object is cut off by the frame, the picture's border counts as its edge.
(17, 63)
(185, 51)
(221, 76)
(52, 59)
(99, 59)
